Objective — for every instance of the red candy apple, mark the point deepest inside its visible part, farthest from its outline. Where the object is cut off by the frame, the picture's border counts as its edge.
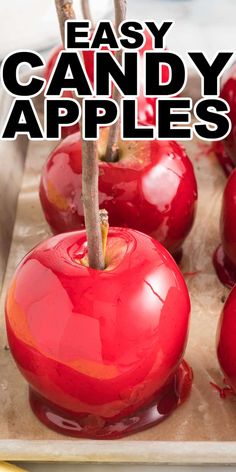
(152, 188)
(98, 325)
(146, 105)
(226, 340)
(225, 255)
(228, 93)
(99, 347)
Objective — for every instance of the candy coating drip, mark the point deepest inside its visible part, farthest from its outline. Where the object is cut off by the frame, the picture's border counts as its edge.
(100, 344)
(163, 404)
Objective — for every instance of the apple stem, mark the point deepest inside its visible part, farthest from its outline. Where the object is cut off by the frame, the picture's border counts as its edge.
(85, 6)
(104, 222)
(90, 168)
(112, 151)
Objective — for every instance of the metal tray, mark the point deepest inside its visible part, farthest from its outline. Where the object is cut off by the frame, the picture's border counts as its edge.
(203, 430)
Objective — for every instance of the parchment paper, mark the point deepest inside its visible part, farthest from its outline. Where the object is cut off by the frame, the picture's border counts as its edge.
(205, 416)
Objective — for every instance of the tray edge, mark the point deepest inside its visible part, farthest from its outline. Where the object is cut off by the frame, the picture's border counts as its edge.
(123, 452)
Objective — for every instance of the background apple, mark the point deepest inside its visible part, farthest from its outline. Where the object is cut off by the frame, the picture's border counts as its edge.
(225, 256)
(152, 188)
(226, 340)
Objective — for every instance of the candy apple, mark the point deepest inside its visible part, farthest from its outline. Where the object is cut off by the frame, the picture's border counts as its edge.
(226, 340)
(152, 188)
(100, 349)
(146, 105)
(225, 255)
(228, 93)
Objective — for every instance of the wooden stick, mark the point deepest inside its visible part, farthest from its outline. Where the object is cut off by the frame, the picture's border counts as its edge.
(91, 204)
(104, 222)
(89, 170)
(112, 150)
(85, 6)
(65, 11)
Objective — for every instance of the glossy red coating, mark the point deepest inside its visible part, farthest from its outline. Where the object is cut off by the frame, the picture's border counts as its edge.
(225, 256)
(146, 105)
(152, 188)
(99, 345)
(164, 402)
(226, 340)
(228, 93)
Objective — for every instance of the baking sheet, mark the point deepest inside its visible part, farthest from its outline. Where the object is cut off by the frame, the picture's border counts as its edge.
(204, 417)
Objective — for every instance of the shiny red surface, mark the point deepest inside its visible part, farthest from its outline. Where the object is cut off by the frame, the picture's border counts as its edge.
(152, 188)
(228, 93)
(225, 270)
(98, 343)
(146, 105)
(226, 340)
(225, 258)
(164, 402)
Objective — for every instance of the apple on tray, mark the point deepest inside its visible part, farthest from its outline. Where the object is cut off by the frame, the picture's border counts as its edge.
(224, 258)
(97, 321)
(226, 341)
(100, 349)
(151, 187)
